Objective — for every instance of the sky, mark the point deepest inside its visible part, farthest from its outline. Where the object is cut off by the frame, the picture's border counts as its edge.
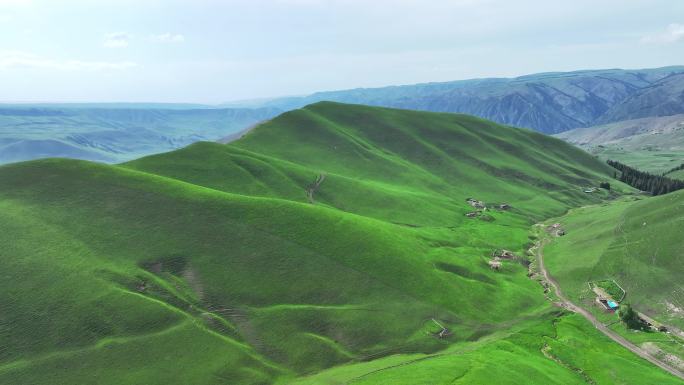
(212, 51)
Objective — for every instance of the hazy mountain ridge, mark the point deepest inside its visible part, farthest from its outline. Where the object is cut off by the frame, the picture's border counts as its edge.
(113, 132)
(664, 97)
(547, 102)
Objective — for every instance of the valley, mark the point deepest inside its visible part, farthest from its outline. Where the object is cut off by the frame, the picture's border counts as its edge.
(602, 321)
(653, 144)
(341, 192)
(632, 242)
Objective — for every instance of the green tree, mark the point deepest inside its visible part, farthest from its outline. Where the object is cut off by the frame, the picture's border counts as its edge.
(630, 317)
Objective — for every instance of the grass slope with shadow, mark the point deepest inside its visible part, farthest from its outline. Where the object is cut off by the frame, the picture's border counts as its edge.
(208, 265)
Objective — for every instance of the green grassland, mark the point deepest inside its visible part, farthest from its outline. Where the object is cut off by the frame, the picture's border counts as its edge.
(581, 354)
(653, 144)
(646, 158)
(426, 164)
(679, 174)
(611, 288)
(636, 243)
(209, 265)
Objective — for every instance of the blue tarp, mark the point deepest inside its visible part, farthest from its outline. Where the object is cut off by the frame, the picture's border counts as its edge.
(612, 304)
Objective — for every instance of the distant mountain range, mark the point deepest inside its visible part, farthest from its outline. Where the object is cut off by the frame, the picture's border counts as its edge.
(547, 102)
(114, 132)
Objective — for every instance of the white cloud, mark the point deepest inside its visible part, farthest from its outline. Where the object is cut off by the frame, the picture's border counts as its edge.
(672, 34)
(167, 38)
(117, 40)
(19, 59)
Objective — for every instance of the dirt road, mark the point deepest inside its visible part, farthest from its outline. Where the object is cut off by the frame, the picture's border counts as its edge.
(566, 303)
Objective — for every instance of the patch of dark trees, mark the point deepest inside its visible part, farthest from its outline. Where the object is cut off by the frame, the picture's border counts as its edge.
(631, 318)
(644, 181)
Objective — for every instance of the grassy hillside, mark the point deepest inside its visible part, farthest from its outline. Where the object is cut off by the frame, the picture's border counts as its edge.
(113, 132)
(426, 164)
(211, 265)
(637, 243)
(679, 174)
(654, 144)
(581, 355)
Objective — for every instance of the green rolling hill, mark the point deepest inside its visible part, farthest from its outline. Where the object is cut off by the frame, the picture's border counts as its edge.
(416, 159)
(328, 245)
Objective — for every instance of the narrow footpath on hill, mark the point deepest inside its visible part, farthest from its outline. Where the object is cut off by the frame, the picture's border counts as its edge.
(567, 304)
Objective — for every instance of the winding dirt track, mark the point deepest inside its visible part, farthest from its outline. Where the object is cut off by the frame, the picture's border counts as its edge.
(566, 303)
